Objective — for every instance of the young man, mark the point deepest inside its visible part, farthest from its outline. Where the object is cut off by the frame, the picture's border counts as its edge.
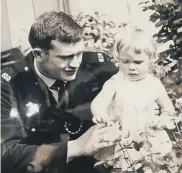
(46, 101)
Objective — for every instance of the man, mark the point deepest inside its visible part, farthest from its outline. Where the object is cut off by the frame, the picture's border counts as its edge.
(46, 99)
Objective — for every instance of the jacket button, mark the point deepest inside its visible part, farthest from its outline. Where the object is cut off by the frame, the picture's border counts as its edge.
(26, 68)
(33, 129)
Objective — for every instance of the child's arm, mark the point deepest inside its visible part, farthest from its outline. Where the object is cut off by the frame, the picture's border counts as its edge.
(100, 104)
(167, 109)
(164, 101)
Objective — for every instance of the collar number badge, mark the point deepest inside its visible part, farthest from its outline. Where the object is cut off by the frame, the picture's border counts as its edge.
(100, 57)
(6, 76)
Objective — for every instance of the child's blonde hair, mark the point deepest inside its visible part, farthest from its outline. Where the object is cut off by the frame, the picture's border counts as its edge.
(137, 40)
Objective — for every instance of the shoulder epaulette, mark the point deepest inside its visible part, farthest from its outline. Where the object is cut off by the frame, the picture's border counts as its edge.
(10, 72)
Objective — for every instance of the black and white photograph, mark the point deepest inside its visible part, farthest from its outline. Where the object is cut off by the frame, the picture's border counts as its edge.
(91, 86)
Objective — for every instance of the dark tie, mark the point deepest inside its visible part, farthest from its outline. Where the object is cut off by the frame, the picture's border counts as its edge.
(63, 102)
(63, 97)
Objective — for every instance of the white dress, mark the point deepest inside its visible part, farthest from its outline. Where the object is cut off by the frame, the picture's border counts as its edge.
(134, 101)
(133, 106)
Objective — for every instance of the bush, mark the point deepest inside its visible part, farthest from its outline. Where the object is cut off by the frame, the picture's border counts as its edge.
(99, 33)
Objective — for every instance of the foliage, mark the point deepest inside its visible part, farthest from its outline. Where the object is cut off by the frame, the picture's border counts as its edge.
(168, 18)
(99, 33)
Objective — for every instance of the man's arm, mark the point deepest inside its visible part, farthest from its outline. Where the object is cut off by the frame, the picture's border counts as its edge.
(19, 157)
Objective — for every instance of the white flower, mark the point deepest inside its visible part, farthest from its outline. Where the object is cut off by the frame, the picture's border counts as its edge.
(105, 44)
(170, 125)
(162, 171)
(165, 46)
(178, 118)
(90, 43)
(98, 43)
(110, 40)
(148, 171)
(167, 68)
(167, 120)
(179, 100)
(32, 109)
(14, 113)
(114, 133)
(177, 105)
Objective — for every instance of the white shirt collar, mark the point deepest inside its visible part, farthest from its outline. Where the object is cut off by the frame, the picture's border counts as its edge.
(48, 81)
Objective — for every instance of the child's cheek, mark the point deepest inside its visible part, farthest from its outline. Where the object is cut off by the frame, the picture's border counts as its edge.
(123, 68)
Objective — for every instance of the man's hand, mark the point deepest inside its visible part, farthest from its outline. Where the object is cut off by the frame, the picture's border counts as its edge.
(98, 140)
(89, 143)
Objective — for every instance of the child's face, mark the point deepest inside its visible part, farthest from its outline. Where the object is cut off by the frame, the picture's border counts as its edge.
(134, 66)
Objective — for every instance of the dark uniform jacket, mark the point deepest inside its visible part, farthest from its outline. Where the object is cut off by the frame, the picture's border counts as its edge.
(33, 133)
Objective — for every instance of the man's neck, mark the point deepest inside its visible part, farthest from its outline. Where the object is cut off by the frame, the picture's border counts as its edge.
(48, 81)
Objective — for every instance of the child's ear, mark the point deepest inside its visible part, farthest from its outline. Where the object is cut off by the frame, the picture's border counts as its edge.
(38, 54)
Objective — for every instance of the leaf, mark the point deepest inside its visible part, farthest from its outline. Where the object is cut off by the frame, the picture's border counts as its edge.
(179, 30)
(138, 165)
(137, 146)
(148, 171)
(161, 22)
(162, 171)
(154, 17)
(177, 21)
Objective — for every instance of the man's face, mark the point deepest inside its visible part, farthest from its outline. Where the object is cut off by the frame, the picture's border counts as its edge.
(134, 66)
(63, 60)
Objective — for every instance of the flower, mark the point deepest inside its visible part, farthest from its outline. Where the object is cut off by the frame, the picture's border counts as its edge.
(114, 133)
(148, 170)
(32, 109)
(179, 101)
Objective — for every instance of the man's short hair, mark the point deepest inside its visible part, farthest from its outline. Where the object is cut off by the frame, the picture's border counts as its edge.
(135, 39)
(54, 26)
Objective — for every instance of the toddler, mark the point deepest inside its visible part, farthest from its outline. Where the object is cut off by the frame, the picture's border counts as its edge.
(128, 97)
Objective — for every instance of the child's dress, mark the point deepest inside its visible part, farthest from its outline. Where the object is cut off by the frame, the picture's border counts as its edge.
(134, 101)
(132, 105)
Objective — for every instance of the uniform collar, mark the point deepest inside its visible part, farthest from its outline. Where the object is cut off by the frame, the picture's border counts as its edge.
(48, 81)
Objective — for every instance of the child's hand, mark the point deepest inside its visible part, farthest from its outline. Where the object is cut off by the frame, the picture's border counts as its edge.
(167, 120)
(156, 123)
(163, 121)
(101, 120)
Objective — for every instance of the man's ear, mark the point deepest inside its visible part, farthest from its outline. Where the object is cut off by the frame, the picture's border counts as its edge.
(38, 54)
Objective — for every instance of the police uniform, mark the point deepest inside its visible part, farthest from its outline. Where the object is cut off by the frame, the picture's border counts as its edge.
(34, 130)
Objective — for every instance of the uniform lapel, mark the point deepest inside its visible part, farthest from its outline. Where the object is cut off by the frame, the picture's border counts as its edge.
(49, 99)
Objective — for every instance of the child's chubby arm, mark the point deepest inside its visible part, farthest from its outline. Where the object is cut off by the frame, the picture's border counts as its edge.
(167, 110)
(164, 101)
(99, 106)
